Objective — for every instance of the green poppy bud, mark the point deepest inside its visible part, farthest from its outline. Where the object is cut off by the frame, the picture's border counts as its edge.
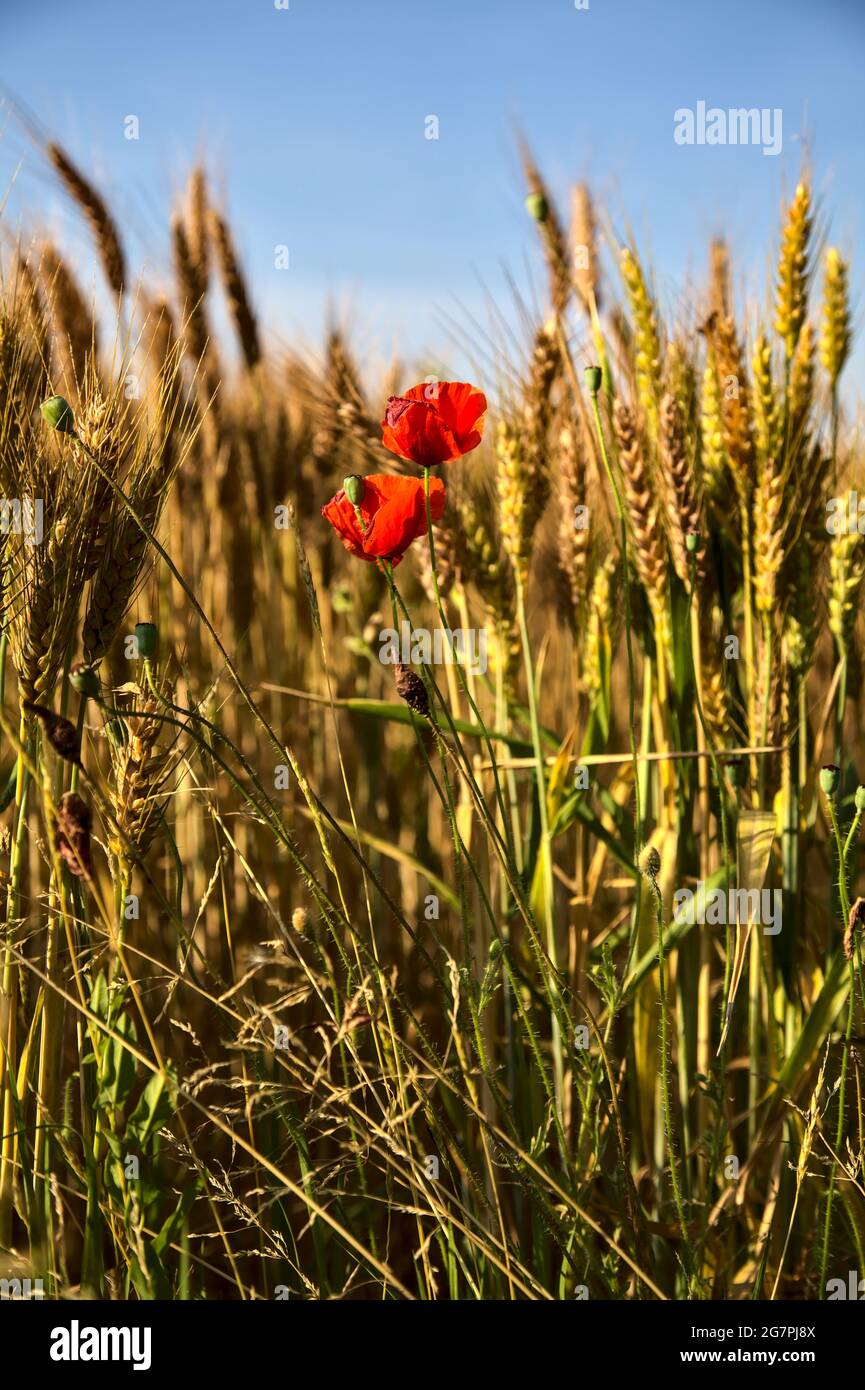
(85, 680)
(147, 637)
(594, 376)
(737, 769)
(538, 207)
(650, 862)
(859, 799)
(353, 487)
(830, 776)
(57, 412)
(692, 542)
(496, 949)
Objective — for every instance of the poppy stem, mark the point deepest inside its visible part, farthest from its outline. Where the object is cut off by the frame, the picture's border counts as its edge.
(485, 734)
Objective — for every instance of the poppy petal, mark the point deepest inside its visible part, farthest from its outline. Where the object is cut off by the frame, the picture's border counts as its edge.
(392, 515)
(341, 515)
(434, 422)
(401, 515)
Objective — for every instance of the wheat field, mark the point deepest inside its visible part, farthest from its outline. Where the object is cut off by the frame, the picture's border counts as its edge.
(525, 966)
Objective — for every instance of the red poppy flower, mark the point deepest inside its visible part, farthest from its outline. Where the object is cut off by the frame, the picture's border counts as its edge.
(393, 512)
(435, 422)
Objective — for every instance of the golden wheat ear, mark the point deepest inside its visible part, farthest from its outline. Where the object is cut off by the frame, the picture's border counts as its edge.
(95, 210)
(754, 839)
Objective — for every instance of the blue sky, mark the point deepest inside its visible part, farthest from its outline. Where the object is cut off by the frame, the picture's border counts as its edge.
(313, 120)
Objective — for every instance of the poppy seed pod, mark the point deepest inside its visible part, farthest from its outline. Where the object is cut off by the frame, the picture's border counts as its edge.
(147, 637)
(594, 377)
(537, 207)
(57, 412)
(353, 487)
(859, 799)
(86, 681)
(692, 542)
(830, 776)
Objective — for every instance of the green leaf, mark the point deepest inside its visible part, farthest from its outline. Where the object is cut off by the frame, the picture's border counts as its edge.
(119, 1075)
(155, 1107)
(817, 1026)
(172, 1223)
(99, 997)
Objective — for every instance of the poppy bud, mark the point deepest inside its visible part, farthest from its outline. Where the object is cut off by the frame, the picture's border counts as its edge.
(147, 637)
(692, 542)
(650, 862)
(859, 799)
(57, 412)
(830, 776)
(738, 770)
(300, 919)
(85, 680)
(537, 207)
(353, 487)
(594, 376)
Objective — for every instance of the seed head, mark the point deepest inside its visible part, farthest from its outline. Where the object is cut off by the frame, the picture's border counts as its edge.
(830, 776)
(594, 377)
(72, 834)
(353, 487)
(537, 207)
(411, 688)
(147, 637)
(650, 861)
(57, 412)
(855, 922)
(61, 733)
(86, 681)
(835, 332)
